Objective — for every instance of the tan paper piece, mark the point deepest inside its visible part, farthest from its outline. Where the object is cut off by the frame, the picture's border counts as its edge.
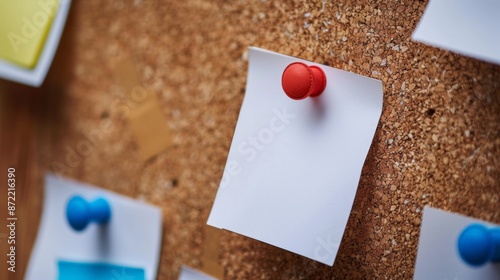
(150, 128)
(149, 125)
(211, 250)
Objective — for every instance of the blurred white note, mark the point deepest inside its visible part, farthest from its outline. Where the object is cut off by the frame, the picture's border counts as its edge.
(438, 256)
(467, 27)
(132, 237)
(294, 166)
(188, 273)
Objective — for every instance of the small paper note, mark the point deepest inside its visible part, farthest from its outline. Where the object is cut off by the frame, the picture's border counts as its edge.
(467, 27)
(29, 35)
(438, 256)
(188, 273)
(24, 25)
(132, 237)
(294, 166)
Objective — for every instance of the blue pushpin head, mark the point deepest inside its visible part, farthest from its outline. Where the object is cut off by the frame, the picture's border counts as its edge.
(80, 213)
(478, 245)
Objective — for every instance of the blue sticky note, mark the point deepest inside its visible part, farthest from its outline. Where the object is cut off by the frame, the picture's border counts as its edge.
(97, 271)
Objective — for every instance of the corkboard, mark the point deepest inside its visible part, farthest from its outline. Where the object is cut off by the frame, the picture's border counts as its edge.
(437, 143)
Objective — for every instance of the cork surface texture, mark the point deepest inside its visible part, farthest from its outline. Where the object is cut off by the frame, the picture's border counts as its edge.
(437, 143)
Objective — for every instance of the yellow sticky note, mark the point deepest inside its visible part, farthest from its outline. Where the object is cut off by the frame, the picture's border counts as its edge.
(24, 25)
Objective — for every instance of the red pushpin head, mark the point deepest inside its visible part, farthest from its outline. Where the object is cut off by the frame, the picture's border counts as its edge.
(300, 81)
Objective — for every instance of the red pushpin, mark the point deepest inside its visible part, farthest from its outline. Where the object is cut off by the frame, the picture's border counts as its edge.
(300, 81)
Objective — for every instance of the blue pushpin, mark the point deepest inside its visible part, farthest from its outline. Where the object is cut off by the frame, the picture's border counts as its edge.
(478, 245)
(80, 213)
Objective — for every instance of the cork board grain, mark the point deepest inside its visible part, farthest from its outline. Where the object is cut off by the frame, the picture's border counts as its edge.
(437, 142)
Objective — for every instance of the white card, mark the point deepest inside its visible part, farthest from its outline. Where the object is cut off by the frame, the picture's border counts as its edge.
(467, 27)
(132, 238)
(438, 256)
(188, 273)
(36, 76)
(294, 166)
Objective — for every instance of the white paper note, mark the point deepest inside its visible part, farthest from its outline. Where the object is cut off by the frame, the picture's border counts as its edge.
(188, 273)
(294, 166)
(438, 256)
(131, 238)
(467, 27)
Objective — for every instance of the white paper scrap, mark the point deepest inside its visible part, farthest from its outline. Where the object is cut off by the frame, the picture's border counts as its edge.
(438, 256)
(188, 273)
(467, 27)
